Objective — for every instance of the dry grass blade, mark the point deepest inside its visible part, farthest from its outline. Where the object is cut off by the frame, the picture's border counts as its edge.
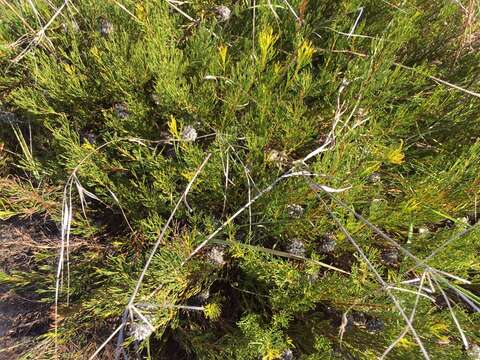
(354, 27)
(382, 234)
(40, 34)
(81, 193)
(352, 35)
(121, 209)
(432, 272)
(142, 317)
(67, 213)
(127, 11)
(272, 10)
(292, 10)
(35, 11)
(26, 151)
(24, 22)
(164, 230)
(434, 78)
(452, 313)
(470, 298)
(288, 174)
(440, 81)
(411, 292)
(412, 315)
(184, 14)
(65, 241)
(184, 307)
(447, 242)
(297, 257)
(287, 255)
(231, 218)
(249, 193)
(100, 348)
(180, 11)
(330, 140)
(472, 305)
(154, 250)
(380, 280)
(245, 168)
(226, 170)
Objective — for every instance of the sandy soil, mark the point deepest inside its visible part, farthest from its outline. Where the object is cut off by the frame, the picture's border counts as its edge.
(22, 316)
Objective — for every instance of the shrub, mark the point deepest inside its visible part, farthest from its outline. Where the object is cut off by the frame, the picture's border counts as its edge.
(312, 164)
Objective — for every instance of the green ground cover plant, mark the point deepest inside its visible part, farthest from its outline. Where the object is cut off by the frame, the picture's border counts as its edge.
(242, 180)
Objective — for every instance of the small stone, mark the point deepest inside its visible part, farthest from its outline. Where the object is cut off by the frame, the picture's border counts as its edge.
(374, 325)
(362, 112)
(156, 99)
(223, 13)
(390, 257)
(273, 155)
(140, 330)
(106, 27)
(444, 340)
(474, 352)
(286, 355)
(358, 319)
(277, 157)
(327, 243)
(75, 26)
(189, 133)
(217, 256)
(121, 110)
(296, 247)
(423, 231)
(375, 178)
(294, 211)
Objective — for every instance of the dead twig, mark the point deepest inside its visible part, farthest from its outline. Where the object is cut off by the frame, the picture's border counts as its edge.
(153, 251)
(380, 280)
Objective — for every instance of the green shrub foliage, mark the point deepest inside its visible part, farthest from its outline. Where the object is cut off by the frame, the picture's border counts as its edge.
(132, 96)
